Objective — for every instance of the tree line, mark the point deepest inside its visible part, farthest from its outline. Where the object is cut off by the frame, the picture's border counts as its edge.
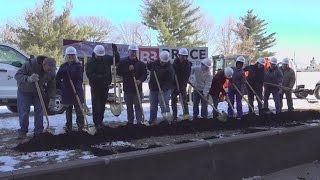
(177, 23)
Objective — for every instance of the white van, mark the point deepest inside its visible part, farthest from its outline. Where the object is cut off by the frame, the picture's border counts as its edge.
(11, 59)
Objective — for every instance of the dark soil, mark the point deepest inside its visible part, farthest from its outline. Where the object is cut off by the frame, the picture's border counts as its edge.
(82, 140)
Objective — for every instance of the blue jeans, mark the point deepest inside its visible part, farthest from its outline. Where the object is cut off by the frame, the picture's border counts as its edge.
(155, 99)
(204, 105)
(24, 101)
(276, 97)
(231, 95)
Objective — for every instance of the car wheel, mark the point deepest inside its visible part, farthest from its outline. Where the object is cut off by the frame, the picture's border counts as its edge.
(59, 107)
(13, 109)
(317, 92)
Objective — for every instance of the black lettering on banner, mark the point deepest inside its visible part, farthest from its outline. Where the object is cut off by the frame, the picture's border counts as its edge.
(191, 53)
(174, 53)
(202, 54)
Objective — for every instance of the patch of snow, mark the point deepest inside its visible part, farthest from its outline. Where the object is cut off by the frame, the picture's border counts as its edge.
(120, 143)
(254, 178)
(87, 155)
(313, 124)
(7, 163)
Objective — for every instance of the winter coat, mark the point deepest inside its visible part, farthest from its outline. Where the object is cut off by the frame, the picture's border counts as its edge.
(289, 77)
(99, 71)
(200, 79)
(46, 80)
(255, 76)
(238, 79)
(165, 74)
(182, 70)
(217, 84)
(273, 76)
(74, 70)
(140, 72)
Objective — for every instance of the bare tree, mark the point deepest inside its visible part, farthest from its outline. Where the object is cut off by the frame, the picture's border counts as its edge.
(205, 26)
(101, 29)
(246, 46)
(133, 33)
(8, 30)
(225, 38)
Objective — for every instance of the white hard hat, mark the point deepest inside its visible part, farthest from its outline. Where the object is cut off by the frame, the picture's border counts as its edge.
(228, 72)
(261, 61)
(99, 50)
(183, 51)
(241, 59)
(207, 62)
(164, 56)
(285, 61)
(273, 60)
(133, 47)
(71, 50)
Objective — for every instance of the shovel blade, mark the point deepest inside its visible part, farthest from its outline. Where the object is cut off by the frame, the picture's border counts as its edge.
(115, 109)
(167, 116)
(222, 116)
(49, 130)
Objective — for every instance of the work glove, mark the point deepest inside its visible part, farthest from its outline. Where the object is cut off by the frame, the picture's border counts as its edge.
(131, 68)
(52, 104)
(114, 47)
(33, 78)
(206, 95)
(113, 69)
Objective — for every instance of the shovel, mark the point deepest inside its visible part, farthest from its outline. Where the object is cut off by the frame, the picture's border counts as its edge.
(139, 98)
(222, 116)
(185, 116)
(115, 106)
(47, 129)
(90, 130)
(258, 98)
(166, 115)
(292, 90)
(237, 89)
(266, 110)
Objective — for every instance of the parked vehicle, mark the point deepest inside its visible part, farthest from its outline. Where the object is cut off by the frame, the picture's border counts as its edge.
(11, 59)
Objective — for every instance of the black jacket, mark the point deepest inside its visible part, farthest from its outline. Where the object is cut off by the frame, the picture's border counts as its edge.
(99, 71)
(255, 75)
(183, 71)
(140, 72)
(165, 74)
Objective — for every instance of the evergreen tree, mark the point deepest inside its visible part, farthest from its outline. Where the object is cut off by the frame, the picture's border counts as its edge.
(44, 31)
(174, 20)
(252, 28)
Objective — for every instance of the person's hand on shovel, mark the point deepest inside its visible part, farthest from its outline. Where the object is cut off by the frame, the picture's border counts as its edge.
(131, 68)
(138, 81)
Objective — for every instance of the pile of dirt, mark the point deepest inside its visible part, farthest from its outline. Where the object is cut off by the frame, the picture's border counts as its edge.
(82, 140)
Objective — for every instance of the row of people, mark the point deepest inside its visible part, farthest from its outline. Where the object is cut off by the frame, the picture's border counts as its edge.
(172, 78)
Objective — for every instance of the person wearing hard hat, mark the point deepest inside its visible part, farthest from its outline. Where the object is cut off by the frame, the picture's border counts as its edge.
(217, 86)
(272, 80)
(98, 71)
(165, 74)
(39, 70)
(255, 79)
(238, 80)
(289, 79)
(182, 68)
(201, 78)
(127, 68)
(71, 68)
